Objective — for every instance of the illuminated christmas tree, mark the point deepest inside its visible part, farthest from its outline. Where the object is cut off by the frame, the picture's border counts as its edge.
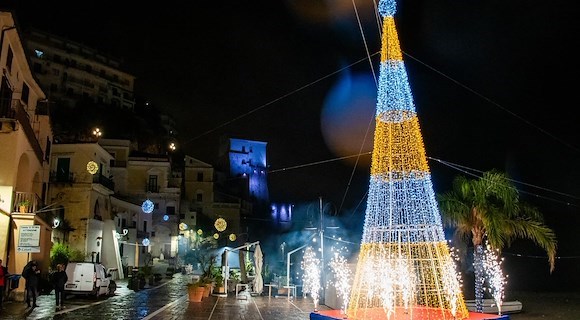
(405, 269)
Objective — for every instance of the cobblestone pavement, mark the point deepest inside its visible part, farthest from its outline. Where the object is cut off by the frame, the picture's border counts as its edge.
(166, 301)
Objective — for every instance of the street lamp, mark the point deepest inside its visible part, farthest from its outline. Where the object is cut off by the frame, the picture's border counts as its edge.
(97, 133)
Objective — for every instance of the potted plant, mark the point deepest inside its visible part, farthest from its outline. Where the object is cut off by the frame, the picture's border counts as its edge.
(23, 206)
(218, 279)
(219, 284)
(195, 291)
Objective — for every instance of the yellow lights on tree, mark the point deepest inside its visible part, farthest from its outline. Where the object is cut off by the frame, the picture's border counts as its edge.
(220, 224)
(182, 226)
(216, 235)
(92, 167)
(233, 237)
(199, 232)
(404, 265)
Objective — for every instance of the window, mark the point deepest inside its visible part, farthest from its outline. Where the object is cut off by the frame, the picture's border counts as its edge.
(152, 184)
(56, 58)
(9, 58)
(182, 216)
(152, 234)
(170, 211)
(199, 197)
(25, 93)
(145, 226)
(200, 176)
(37, 67)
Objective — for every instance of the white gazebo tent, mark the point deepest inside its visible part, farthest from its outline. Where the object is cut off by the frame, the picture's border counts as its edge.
(225, 267)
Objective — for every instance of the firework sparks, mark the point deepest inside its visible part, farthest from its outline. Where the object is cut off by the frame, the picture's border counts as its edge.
(311, 277)
(495, 277)
(342, 274)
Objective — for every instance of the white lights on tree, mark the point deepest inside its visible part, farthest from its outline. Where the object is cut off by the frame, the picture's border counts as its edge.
(404, 264)
(146, 242)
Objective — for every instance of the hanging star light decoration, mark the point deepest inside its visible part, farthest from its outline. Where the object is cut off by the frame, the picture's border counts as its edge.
(92, 167)
(404, 264)
(220, 224)
(147, 206)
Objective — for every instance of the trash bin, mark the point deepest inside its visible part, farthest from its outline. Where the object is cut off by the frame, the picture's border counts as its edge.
(14, 281)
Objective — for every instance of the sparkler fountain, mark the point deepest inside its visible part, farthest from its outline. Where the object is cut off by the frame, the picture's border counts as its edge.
(404, 269)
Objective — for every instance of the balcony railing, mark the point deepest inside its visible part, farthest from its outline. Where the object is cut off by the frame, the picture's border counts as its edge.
(15, 110)
(29, 201)
(142, 234)
(106, 182)
(56, 177)
(152, 188)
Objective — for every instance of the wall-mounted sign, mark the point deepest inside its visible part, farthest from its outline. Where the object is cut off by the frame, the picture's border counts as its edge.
(29, 239)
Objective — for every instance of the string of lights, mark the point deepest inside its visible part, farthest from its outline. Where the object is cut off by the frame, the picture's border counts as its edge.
(404, 264)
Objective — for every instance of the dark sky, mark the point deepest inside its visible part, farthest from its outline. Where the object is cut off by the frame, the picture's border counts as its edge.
(495, 84)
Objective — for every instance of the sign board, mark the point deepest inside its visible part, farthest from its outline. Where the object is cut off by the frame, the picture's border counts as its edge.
(29, 236)
(28, 249)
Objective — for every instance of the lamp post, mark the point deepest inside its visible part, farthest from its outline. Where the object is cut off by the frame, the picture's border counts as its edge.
(322, 273)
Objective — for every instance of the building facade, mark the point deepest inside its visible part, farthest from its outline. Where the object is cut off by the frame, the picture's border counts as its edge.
(69, 71)
(25, 144)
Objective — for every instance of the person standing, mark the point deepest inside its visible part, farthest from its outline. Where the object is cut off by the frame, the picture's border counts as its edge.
(59, 278)
(32, 275)
(3, 282)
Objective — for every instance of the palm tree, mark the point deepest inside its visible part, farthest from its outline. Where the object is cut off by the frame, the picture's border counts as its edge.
(489, 209)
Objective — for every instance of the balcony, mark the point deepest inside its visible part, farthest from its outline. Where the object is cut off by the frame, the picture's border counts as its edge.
(104, 181)
(152, 188)
(13, 109)
(26, 202)
(67, 177)
(142, 234)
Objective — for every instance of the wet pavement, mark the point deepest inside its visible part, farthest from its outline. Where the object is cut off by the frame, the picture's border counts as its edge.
(165, 301)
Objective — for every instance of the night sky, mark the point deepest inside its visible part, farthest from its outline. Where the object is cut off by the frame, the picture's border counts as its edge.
(494, 83)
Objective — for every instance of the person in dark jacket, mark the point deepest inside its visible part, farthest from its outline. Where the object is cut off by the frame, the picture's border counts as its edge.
(59, 278)
(3, 282)
(32, 275)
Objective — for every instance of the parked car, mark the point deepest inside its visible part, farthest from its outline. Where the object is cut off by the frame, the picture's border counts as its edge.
(88, 278)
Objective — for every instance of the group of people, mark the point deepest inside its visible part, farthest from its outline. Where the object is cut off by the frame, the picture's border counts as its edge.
(31, 273)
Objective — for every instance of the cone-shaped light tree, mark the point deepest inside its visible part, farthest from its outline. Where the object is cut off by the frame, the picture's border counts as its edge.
(404, 266)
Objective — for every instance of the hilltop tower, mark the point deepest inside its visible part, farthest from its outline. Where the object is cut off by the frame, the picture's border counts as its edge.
(405, 268)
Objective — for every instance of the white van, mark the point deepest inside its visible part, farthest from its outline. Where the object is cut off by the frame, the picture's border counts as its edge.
(88, 278)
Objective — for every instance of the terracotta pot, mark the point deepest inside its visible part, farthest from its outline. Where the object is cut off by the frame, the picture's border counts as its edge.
(195, 293)
(207, 290)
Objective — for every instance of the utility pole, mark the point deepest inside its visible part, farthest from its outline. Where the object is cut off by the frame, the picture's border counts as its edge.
(322, 266)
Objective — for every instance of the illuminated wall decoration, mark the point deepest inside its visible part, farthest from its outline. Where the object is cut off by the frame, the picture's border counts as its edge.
(92, 167)
(147, 206)
(404, 266)
(220, 224)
